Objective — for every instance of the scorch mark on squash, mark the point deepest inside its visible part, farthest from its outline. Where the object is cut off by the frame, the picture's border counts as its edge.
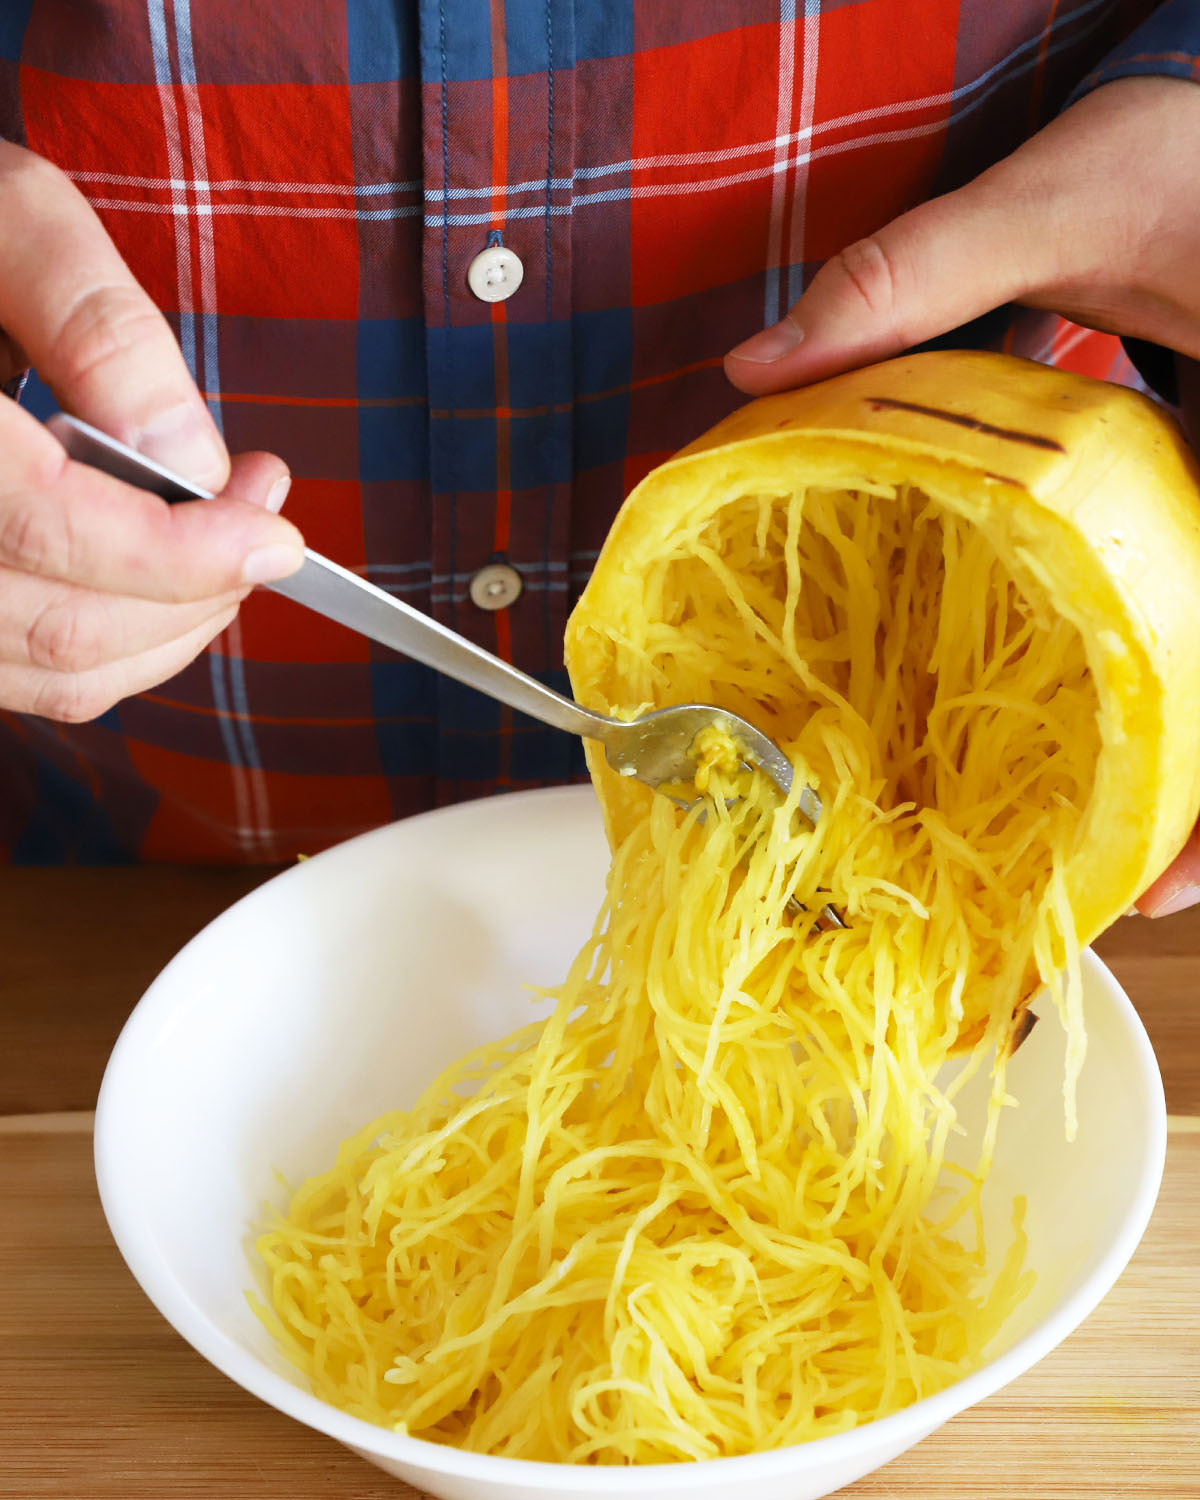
(960, 419)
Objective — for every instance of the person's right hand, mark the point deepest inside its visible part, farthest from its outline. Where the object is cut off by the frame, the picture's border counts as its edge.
(106, 590)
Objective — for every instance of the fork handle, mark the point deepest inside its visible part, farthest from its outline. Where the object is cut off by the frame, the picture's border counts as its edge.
(340, 595)
(343, 596)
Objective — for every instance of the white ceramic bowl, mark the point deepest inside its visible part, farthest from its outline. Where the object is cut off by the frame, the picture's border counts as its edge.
(339, 989)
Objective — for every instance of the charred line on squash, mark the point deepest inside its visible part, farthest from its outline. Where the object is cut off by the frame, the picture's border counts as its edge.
(1026, 1021)
(960, 419)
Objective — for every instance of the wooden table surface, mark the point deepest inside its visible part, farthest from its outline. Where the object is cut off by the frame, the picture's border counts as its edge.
(100, 1398)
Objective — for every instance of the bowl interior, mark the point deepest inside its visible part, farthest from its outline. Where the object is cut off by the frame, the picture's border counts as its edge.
(339, 989)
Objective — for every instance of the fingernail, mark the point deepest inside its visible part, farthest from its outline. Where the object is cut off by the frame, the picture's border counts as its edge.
(184, 439)
(1185, 896)
(771, 344)
(266, 564)
(278, 493)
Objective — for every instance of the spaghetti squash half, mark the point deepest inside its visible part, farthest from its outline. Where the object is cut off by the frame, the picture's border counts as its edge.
(928, 499)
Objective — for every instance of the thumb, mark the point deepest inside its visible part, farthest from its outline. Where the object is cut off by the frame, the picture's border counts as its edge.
(69, 300)
(1178, 887)
(932, 269)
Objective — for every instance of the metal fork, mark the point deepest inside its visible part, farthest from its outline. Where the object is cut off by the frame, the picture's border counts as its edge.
(656, 748)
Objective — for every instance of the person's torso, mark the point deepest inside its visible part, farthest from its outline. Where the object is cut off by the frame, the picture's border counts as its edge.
(303, 190)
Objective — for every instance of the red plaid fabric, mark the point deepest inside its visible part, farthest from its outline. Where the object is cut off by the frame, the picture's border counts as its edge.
(302, 190)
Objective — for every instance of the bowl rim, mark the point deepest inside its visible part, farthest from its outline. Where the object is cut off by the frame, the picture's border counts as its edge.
(894, 1432)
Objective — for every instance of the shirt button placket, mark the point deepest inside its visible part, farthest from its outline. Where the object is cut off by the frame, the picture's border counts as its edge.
(499, 382)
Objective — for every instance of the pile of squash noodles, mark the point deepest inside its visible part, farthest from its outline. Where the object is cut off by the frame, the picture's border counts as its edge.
(705, 1207)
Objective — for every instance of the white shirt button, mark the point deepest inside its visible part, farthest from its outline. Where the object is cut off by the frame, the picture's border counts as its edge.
(496, 586)
(495, 274)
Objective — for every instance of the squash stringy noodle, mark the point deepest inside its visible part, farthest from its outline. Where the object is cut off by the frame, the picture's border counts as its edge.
(705, 1208)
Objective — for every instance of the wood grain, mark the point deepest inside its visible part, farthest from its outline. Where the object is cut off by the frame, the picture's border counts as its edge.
(1158, 964)
(100, 1400)
(78, 947)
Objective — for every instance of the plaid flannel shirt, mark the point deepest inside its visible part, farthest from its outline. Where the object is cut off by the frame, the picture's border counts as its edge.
(302, 189)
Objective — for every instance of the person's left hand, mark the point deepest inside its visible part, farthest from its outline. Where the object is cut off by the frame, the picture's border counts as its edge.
(1096, 217)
